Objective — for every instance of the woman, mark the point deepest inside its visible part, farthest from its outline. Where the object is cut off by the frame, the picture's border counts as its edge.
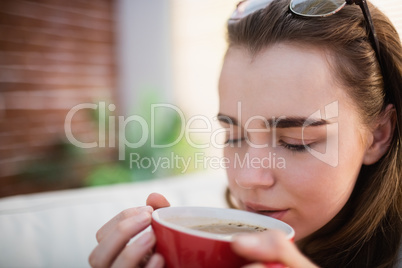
(321, 94)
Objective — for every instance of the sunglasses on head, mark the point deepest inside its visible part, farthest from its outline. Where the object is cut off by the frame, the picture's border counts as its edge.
(312, 8)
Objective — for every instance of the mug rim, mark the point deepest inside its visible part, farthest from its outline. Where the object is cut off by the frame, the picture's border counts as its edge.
(237, 215)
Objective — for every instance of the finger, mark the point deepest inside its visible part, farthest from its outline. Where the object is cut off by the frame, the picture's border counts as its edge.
(116, 240)
(133, 254)
(270, 246)
(156, 261)
(128, 213)
(255, 265)
(260, 265)
(267, 265)
(259, 247)
(156, 201)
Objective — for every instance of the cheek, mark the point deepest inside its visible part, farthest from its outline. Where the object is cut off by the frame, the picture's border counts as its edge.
(234, 155)
(230, 169)
(319, 191)
(317, 185)
(233, 170)
(313, 189)
(316, 194)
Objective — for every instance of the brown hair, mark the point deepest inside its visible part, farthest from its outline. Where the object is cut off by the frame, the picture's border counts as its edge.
(367, 232)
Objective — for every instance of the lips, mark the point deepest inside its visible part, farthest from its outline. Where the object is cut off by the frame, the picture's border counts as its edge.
(276, 213)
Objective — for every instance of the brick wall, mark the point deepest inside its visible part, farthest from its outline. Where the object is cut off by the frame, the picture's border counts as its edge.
(54, 54)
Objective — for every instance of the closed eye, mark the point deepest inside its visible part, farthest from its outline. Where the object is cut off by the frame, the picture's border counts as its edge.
(234, 141)
(295, 147)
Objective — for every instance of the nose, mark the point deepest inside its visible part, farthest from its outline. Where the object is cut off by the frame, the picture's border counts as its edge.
(256, 169)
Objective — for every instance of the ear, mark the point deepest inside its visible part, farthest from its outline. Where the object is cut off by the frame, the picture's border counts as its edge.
(381, 136)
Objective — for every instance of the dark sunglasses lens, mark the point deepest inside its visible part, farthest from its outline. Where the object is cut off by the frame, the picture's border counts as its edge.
(316, 8)
(245, 8)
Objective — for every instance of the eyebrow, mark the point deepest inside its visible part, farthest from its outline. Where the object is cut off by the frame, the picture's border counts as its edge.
(281, 122)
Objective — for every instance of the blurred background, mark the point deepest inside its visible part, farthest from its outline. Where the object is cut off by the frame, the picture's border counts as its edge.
(78, 70)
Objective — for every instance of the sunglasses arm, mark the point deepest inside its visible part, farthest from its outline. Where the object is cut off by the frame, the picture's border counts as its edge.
(370, 25)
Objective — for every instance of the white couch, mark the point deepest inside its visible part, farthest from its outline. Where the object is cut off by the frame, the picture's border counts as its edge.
(57, 229)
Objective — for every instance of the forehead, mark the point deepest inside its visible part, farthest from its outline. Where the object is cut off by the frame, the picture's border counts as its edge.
(283, 79)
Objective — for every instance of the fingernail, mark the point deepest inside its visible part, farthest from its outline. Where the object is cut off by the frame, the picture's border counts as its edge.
(145, 239)
(248, 240)
(156, 261)
(146, 209)
(143, 217)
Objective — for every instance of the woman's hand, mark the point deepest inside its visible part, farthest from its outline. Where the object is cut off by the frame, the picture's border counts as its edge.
(113, 251)
(270, 246)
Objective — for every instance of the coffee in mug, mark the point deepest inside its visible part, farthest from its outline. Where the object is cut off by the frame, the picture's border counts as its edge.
(198, 237)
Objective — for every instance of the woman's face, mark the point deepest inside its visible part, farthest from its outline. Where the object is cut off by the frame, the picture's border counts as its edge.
(294, 141)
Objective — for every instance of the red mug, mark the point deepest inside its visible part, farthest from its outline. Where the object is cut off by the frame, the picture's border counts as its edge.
(182, 247)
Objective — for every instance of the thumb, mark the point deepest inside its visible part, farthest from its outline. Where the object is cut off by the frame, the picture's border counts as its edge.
(156, 201)
(270, 246)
